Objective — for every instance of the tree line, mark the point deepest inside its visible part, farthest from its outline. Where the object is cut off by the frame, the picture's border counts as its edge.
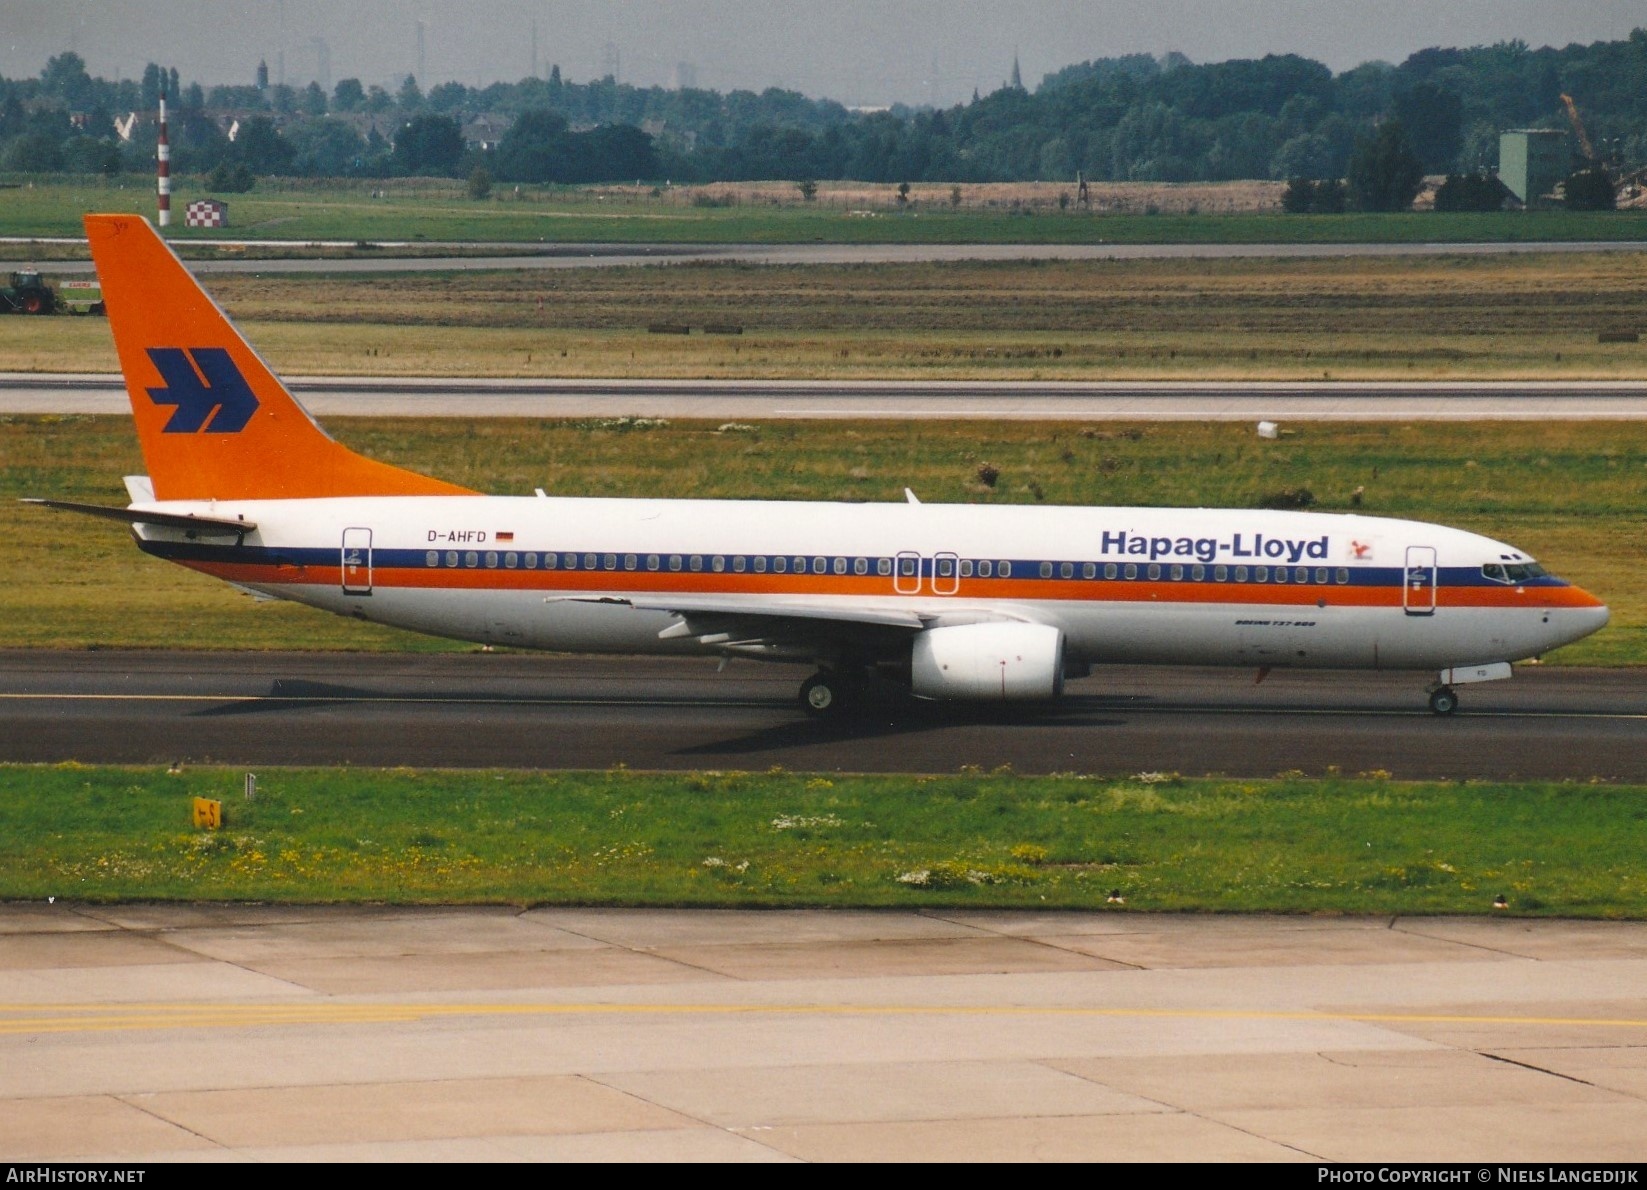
(1135, 117)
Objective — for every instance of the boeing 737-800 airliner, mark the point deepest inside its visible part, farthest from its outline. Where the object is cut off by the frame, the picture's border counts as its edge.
(950, 601)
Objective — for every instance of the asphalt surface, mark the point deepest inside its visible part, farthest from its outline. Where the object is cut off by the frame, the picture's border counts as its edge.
(618, 255)
(557, 712)
(31, 393)
(597, 255)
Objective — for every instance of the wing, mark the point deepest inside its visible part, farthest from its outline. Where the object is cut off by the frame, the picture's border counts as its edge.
(774, 624)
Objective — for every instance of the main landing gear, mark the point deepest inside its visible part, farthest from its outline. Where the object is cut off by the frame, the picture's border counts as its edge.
(828, 694)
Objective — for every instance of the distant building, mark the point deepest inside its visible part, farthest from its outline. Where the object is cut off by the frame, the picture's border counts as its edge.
(1532, 162)
(484, 132)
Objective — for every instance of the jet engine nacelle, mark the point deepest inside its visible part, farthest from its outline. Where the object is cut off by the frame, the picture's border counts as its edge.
(994, 662)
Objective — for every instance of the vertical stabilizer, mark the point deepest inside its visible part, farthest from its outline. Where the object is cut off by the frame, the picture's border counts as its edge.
(214, 421)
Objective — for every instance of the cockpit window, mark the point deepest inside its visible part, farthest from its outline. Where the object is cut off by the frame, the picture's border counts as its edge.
(1518, 572)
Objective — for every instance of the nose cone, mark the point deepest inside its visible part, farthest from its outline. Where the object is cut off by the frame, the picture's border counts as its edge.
(1582, 615)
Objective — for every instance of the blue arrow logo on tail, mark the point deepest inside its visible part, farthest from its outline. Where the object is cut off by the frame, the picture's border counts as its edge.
(224, 390)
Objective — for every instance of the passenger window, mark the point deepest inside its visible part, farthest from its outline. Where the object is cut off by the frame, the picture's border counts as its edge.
(432, 558)
(1111, 570)
(1220, 574)
(760, 563)
(1177, 574)
(491, 560)
(589, 561)
(1320, 574)
(652, 561)
(737, 564)
(883, 566)
(1343, 575)
(780, 565)
(860, 566)
(1280, 574)
(986, 568)
(532, 561)
(1260, 574)
(1131, 571)
(840, 566)
(1046, 569)
(451, 558)
(820, 565)
(511, 560)
(906, 566)
(800, 565)
(1240, 574)
(471, 559)
(1154, 571)
(1066, 570)
(1302, 575)
(569, 561)
(1003, 569)
(1199, 574)
(610, 561)
(674, 561)
(1089, 570)
(718, 563)
(630, 562)
(696, 562)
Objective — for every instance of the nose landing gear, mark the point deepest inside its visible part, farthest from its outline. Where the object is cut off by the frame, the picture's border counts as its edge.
(1443, 700)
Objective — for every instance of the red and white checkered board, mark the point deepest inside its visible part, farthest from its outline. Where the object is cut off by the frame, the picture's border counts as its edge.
(201, 213)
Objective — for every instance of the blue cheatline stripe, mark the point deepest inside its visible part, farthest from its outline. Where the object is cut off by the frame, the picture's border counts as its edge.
(1020, 568)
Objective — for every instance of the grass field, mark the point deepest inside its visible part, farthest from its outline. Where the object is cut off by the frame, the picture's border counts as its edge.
(1571, 493)
(1440, 317)
(431, 209)
(1339, 845)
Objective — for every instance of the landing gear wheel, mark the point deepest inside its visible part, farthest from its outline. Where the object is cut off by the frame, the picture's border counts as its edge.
(825, 695)
(1444, 701)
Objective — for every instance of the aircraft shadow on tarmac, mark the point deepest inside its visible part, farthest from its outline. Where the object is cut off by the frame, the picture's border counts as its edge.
(294, 694)
(904, 718)
(886, 717)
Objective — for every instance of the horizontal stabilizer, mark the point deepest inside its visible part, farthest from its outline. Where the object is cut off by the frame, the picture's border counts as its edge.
(209, 526)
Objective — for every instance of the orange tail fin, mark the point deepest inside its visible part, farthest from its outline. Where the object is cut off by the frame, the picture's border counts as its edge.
(214, 421)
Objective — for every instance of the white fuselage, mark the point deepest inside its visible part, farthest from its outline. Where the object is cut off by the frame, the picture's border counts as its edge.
(1189, 586)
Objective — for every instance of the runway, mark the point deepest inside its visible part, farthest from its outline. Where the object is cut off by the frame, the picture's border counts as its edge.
(557, 712)
(151, 1033)
(33, 393)
(503, 256)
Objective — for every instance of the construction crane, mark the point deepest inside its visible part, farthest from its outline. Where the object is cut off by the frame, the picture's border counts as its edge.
(1578, 129)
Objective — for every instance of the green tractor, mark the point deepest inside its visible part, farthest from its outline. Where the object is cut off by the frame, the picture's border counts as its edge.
(28, 293)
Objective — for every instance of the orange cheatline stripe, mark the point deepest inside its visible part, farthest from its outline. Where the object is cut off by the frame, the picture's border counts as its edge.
(1036, 590)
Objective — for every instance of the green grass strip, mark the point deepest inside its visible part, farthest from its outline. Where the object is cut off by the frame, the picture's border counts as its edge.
(1340, 845)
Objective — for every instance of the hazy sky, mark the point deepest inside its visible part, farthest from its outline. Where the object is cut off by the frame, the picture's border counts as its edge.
(861, 52)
